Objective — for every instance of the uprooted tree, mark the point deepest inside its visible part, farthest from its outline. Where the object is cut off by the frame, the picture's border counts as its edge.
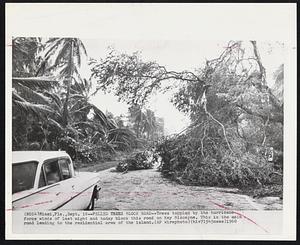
(237, 122)
(236, 132)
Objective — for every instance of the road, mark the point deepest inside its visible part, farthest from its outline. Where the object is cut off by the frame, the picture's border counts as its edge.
(147, 189)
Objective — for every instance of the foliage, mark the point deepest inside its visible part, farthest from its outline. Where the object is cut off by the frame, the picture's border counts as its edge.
(131, 78)
(181, 161)
(122, 138)
(268, 190)
(236, 120)
(25, 59)
(140, 160)
(48, 88)
(144, 123)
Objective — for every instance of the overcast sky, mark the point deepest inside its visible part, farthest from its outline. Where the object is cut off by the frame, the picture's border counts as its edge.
(174, 55)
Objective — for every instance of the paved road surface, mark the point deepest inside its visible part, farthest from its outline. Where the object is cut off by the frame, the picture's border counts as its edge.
(147, 189)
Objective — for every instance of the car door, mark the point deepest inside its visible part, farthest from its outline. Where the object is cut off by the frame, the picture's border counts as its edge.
(57, 179)
(54, 187)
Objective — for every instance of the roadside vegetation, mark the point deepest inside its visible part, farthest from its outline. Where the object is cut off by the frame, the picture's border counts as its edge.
(235, 138)
(52, 108)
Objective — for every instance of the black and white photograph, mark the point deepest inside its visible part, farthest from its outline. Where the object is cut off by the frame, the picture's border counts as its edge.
(125, 120)
(164, 124)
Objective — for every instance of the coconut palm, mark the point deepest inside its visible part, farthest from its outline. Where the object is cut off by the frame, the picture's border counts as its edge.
(27, 95)
(25, 60)
(57, 95)
(137, 117)
(150, 124)
(62, 56)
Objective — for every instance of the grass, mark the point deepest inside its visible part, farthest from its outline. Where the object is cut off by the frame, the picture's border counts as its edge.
(98, 166)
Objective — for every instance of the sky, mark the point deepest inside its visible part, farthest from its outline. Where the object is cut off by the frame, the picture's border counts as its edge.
(174, 55)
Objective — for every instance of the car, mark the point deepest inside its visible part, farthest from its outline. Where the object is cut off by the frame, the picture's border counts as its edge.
(47, 180)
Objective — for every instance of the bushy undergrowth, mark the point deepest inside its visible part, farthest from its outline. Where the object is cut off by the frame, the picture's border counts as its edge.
(86, 152)
(183, 162)
(267, 190)
(140, 160)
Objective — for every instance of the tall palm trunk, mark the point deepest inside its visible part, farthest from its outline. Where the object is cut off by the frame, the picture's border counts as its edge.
(138, 130)
(65, 108)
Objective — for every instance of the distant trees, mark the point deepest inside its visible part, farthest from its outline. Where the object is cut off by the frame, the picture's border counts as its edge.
(145, 123)
(137, 118)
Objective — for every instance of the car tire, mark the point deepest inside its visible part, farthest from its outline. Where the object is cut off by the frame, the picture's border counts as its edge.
(91, 205)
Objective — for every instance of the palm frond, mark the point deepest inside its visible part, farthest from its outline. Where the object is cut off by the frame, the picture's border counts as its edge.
(80, 110)
(36, 82)
(51, 45)
(99, 115)
(62, 52)
(79, 48)
(110, 147)
(56, 124)
(30, 94)
(81, 45)
(77, 55)
(126, 144)
(55, 98)
(111, 123)
(75, 106)
(65, 71)
(97, 136)
(17, 97)
(74, 130)
(123, 131)
(77, 96)
(84, 124)
(122, 136)
(87, 84)
(27, 107)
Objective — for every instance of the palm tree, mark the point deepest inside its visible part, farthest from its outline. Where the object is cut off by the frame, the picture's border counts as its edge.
(123, 138)
(25, 60)
(63, 57)
(150, 124)
(137, 117)
(144, 121)
(57, 95)
(27, 95)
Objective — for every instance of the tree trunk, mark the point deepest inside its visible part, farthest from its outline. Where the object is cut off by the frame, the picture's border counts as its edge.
(65, 109)
(138, 130)
(258, 60)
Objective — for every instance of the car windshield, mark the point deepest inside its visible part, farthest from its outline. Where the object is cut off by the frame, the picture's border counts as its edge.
(23, 175)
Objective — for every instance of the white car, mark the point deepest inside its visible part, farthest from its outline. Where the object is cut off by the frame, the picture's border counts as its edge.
(46, 180)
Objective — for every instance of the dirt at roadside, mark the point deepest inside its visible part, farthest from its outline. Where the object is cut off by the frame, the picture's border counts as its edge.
(147, 189)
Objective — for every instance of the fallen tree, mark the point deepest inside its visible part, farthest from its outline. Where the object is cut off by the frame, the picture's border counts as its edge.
(236, 135)
(138, 161)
